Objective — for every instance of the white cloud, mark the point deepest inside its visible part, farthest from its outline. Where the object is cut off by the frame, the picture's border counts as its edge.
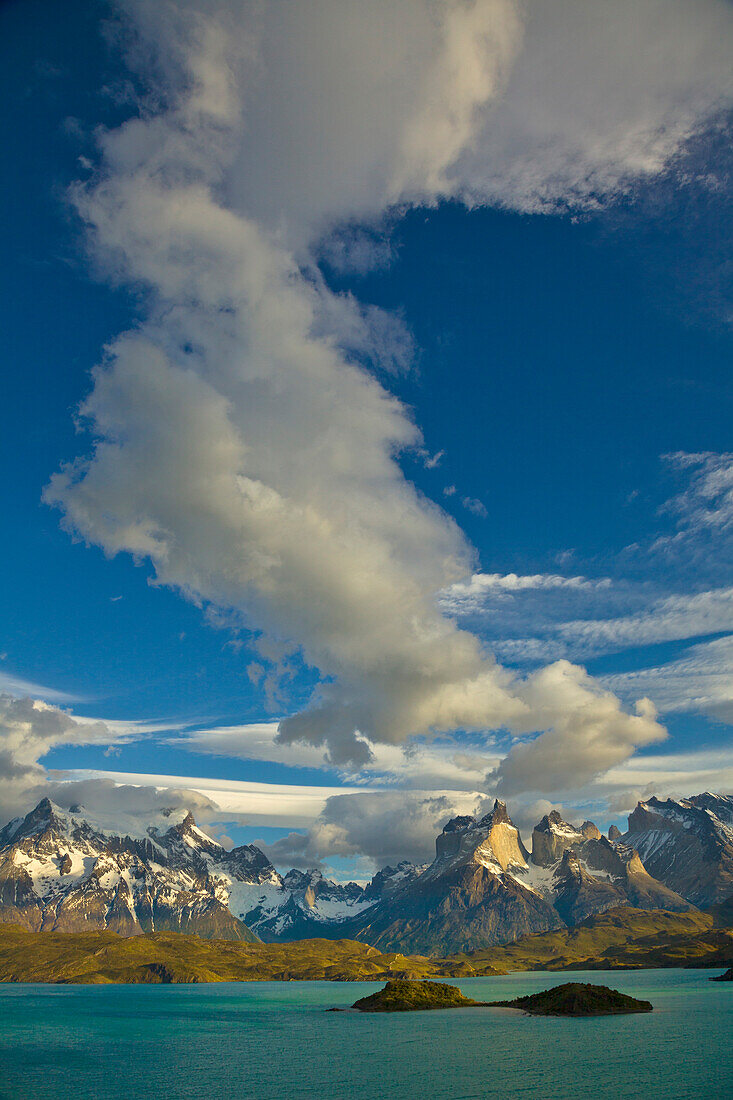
(272, 804)
(17, 685)
(438, 764)
(668, 619)
(238, 442)
(29, 729)
(602, 95)
(701, 681)
(467, 597)
(352, 107)
(586, 733)
(385, 827)
(477, 507)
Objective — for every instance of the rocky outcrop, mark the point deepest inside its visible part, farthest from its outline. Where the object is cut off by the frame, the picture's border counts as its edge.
(687, 844)
(552, 837)
(390, 879)
(414, 996)
(59, 871)
(468, 897)
(578, 894)
(614, 833)
(586, 873)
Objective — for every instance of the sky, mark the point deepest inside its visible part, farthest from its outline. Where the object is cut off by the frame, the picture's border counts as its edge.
(366, 447)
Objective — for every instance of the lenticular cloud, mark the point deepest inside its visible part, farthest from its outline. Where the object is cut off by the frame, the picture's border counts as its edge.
(237, 444)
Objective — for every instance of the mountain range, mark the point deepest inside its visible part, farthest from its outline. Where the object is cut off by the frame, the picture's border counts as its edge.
(64, 870)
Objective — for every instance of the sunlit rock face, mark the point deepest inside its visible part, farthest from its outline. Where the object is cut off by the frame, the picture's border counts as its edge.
(61, 870)
(553, 836)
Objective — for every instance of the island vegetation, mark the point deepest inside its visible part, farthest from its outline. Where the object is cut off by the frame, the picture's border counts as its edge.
(576, 999)
(411, 996)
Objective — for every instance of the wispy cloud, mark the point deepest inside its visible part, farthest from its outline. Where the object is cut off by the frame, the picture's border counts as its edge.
(701, 681)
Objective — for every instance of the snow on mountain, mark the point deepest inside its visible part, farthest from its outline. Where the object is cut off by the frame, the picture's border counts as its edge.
(580, 872)
(60, 871)
(470, 895)
(66, 870)
(687, 844)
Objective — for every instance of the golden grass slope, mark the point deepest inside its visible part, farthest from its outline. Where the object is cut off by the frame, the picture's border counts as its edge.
(99, 957)
(620, 938)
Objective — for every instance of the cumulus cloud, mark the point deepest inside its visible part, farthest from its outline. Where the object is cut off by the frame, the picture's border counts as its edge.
(239, 442)
(30, 729)
(385, 828)
(586, 732)
(600, 97)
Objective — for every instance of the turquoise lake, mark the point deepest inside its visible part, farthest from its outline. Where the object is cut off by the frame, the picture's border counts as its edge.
(273, 1040)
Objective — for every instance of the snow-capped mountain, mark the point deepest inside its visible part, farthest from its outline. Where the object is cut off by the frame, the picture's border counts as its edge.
(484, 887)
(303, 904)
(687, 844)
(60, 871)
(580, 872)
(471, 895)
(63, 870)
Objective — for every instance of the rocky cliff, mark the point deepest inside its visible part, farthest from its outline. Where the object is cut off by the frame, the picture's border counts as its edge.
(62, 871)
(687, 844)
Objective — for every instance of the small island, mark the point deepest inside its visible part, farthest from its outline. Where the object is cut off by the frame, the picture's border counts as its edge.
(577, 999)
(727, 977)
(414, 996)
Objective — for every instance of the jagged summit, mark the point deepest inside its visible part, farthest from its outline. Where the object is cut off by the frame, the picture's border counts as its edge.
(457, 823)
(66, 869)
(497, 816)
(494, 842)
(551, 837)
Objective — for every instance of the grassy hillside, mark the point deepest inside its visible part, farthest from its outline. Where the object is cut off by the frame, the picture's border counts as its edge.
(96, 957)
(617, 939)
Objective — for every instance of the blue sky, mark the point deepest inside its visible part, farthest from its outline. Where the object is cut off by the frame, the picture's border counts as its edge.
(553, 331)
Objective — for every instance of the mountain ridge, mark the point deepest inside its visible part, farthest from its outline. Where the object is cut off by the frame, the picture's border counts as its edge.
(63, 870)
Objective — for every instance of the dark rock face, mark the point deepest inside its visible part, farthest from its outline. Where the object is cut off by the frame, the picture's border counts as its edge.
(577, 999)
(390, 879)
(687, 844)
(614, 833)
(591, 874)
(409, 996)
(59, 871)
(578, 894)
(552, 837)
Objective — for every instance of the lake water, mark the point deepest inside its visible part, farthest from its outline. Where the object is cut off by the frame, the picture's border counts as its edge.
(273, 1040)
